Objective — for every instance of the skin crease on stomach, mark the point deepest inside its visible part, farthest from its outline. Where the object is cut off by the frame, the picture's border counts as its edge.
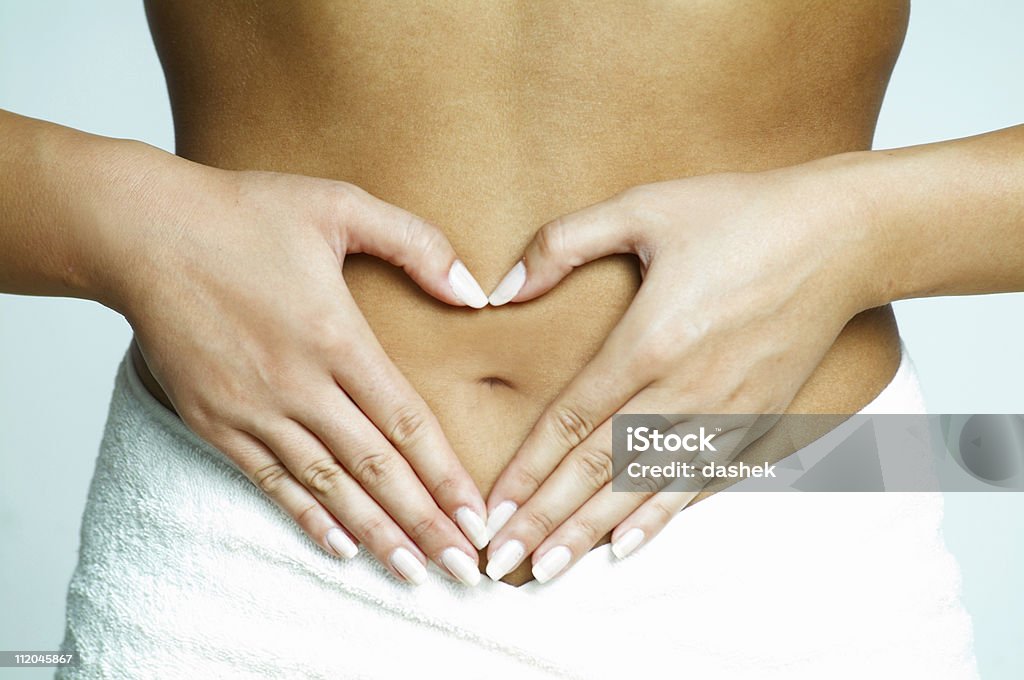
(490, 119)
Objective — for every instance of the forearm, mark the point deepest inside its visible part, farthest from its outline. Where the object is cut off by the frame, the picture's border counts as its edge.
(944, 218)
(65, 201)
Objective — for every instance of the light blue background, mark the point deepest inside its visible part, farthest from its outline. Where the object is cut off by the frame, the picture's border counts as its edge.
(91, 65)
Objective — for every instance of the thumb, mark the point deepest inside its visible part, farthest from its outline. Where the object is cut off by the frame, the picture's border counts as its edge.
(421, 249)
(562, 245)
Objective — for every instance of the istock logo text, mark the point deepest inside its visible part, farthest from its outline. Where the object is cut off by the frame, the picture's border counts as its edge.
(645, 439)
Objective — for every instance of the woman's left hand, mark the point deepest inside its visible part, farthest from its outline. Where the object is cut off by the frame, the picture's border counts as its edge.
(748, 279)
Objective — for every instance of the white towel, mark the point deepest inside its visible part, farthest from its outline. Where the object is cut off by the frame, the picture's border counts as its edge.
(187, 571)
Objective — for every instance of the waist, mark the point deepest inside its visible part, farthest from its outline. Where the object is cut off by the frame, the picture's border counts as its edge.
(488, 374)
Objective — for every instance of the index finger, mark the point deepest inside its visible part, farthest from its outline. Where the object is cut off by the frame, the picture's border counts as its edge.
(380, 390)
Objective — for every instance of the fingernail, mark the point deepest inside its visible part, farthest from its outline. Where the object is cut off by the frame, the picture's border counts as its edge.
(341, 543)
(408, 566)
(472, 526)
(627, 542)
(499, 517)
(461, 565)
(552, 564)
(509, 286)
(505, 559)
(465, 286)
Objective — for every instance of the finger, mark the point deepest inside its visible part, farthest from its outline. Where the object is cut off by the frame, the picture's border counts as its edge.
(306, 458)
(660, 508)
(384, 395)
(577, 478)
(581, 532)
(613, 502)
(265, 471)
(647, 521)
(586, 524)
(361, 453)
(377, 228)
(607, 382)
(581, 474)
(607, 510)
(563, 244)
(370, 525)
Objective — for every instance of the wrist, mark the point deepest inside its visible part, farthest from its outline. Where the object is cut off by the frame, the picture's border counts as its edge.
(849, 222)
(129, 191)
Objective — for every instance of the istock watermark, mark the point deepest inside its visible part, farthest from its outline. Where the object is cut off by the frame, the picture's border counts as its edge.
(766, 452)
(646, 439)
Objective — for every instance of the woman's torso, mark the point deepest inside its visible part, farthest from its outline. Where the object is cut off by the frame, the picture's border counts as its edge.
(491, 118)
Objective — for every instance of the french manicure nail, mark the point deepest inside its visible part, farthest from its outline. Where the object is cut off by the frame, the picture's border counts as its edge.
(552, 564)
(340, 543)
(473, 527)
(505, 559)
(628, 542)
(461, 565)
(465, 286)
(499, 517)
(408, 566)
(509, 286)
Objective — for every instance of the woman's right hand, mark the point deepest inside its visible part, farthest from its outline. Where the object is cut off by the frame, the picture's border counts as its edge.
(232, 282)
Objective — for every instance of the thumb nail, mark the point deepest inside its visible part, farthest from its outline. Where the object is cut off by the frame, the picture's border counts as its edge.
(510, 285)
(465, 287)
